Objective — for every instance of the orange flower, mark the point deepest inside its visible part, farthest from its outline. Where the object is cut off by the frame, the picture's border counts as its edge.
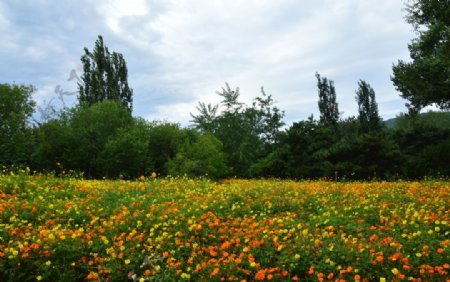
(349, 269)
(225, 245)
(166, 254)
(320, 276)
(380, 259)
(395, 256)
(212, 252)
(92, 276)
(357, 277)
(260, 275)
(215, 272)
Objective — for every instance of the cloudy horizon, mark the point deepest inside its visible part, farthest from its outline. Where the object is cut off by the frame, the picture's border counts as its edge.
(180, 53)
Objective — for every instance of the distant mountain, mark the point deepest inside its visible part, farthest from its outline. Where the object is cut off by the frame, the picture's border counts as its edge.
(390, 122)
(439, 119)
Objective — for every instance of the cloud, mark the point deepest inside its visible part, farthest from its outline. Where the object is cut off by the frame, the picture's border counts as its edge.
(182, 52)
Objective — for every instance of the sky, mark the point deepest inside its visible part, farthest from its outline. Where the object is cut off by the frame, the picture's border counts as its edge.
(180, 53)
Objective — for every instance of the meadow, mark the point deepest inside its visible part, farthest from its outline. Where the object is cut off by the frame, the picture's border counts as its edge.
(172, 229)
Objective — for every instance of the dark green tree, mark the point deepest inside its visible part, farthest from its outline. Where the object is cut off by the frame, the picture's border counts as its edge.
(127, 153)
(329, 111)
(247, 133)
(165, 139)
(366, 155)
(368, 117)
(16, 107)
(105, 77)
(201, 156)
(425, 80)
(91, 129)
(54, 139)
(305, 149)
(425, 144)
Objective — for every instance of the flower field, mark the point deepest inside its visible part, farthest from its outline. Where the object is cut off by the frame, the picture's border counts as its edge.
(65, 229)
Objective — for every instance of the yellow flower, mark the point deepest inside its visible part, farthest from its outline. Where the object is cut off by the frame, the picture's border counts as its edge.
(382, 279)
(39, 278)
(185, 276)
(395, 271)
(48, 263)
(297, 256)
(127, 261)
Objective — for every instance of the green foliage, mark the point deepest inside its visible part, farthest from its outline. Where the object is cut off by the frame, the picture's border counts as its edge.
(308, 149)
(105, 77)
(366, 156)
(425, 80)
(424, 146)
(200, 157)
(247, 133)
(16, 107)
(92, 128)
(164, 141)
(329, 111)
(53, 138)
(127, 155)
(368, 117)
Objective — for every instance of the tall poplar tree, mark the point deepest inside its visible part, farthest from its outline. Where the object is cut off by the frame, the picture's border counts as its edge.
(368, 117)
(105, 77)
(329, 111)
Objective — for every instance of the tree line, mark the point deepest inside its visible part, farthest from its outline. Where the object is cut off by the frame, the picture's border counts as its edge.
(101, 139)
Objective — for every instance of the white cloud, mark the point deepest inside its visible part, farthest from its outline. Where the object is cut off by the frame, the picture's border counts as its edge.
(114, 11)
(182, 52)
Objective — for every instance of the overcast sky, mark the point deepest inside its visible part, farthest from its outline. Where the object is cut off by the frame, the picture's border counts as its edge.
(182, 52)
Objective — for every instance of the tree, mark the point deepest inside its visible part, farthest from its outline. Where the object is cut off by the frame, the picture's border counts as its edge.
(310, 142)
(54, 139)
(127, 154)
(202, 156)
(425, 80)
(92, 128)
(425, 144)
(105, 77)
(165, 139)
(247, 133)
(329, 111)
(368, 117)
(366, 155)
(205, 120)
(16, 107)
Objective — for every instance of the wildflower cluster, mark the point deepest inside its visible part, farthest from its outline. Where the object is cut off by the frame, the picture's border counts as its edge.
(55, 229)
